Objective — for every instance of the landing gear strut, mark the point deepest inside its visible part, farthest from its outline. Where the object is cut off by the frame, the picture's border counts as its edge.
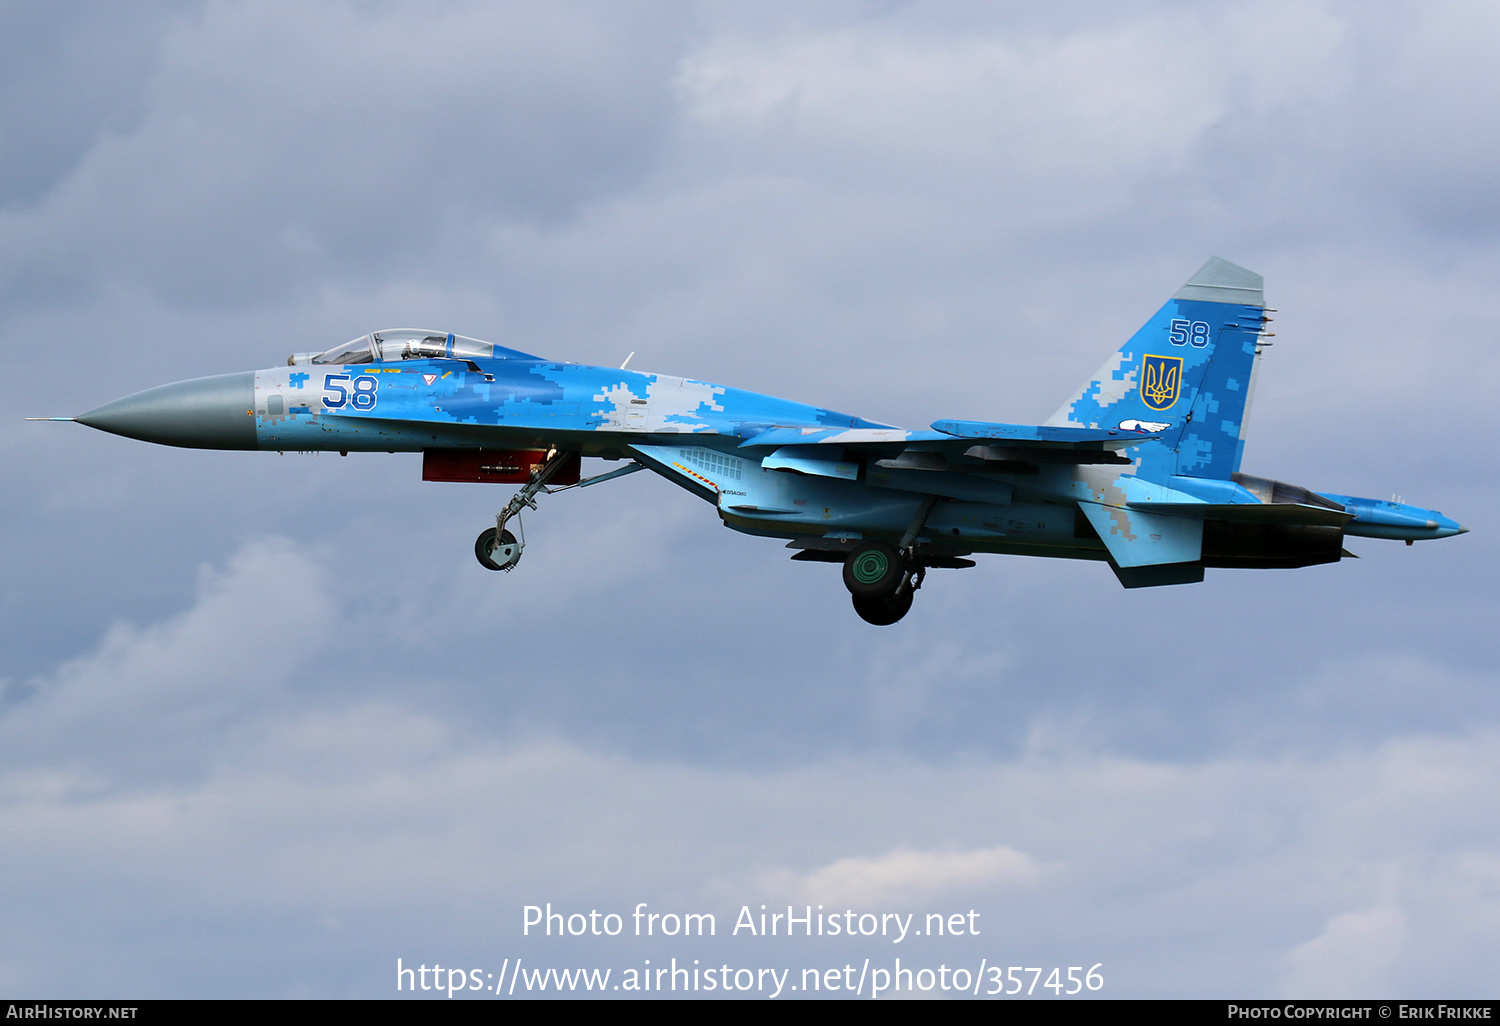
(496, 548)
(497, 541)
(882, 578)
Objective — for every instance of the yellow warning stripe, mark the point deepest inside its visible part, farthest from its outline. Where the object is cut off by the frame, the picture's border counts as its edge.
(694, 473)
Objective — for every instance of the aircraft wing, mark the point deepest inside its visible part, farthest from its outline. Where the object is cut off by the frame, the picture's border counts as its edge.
(978, 445)
(1043, 435)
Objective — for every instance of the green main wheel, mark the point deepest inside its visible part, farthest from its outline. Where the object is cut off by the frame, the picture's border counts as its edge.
(873, 570)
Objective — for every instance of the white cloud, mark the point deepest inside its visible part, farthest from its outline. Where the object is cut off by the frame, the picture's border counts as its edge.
(1353, 957)
(904, 877)
(375, 810)
(380, 815)
(911, 681)
(329, 757)
(1046, 123)
(171, 691)
(279, 142)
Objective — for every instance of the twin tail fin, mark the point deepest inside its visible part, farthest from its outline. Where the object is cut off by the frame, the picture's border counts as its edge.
(1187, 375)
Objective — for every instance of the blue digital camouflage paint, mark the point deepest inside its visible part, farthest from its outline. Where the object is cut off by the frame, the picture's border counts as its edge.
(1187, 373)
(1140, 468)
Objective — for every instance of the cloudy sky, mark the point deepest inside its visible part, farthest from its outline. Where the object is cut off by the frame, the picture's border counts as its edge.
(266, 727)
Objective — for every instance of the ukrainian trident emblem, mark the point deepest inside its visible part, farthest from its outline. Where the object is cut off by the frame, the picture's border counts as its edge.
(1161, 381)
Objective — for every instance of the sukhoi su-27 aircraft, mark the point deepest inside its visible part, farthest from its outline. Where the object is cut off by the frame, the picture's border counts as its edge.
(1139, 468)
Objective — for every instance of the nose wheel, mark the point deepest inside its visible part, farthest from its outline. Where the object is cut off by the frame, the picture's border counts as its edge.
(497, 551)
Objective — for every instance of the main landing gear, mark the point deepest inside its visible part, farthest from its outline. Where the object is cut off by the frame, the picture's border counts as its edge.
(498, 549)
(883, 578)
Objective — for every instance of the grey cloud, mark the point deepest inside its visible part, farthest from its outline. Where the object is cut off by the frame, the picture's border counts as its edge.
(276, 147)
(255, 628)
(69, 75)
(1423, 131)
(416, 829)
(905, 211)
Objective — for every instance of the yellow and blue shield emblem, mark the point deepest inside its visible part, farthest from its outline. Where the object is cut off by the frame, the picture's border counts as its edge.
(1161, 381)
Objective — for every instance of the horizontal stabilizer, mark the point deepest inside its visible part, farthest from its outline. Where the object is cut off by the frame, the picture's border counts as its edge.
(1135, 538)
(1251, 513)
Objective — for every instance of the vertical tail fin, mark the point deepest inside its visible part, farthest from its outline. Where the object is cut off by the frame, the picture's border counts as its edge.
(1187, 373)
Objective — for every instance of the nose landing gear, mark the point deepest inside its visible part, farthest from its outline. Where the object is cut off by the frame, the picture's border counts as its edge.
(496, 548)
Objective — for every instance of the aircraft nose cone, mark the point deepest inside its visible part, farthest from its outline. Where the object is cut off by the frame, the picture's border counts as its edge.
(203, 413)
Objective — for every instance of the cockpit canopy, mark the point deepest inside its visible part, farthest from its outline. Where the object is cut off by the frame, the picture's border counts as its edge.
(406, 344)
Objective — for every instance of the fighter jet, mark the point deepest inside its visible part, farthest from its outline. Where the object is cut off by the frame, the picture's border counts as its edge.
(1139, 468)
